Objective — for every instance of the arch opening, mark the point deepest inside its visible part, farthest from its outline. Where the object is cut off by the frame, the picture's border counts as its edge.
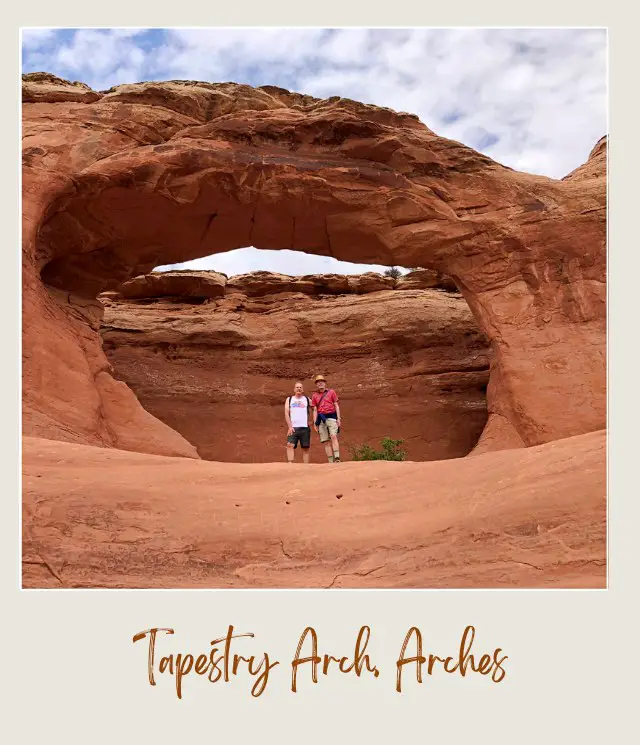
(283, 261)
(214, 357)
(115, 223)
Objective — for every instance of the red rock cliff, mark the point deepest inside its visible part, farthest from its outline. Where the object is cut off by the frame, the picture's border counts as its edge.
(215, 358)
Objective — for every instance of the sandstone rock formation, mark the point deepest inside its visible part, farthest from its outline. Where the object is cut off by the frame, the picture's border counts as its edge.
(158, 173)
(98, 517)
(43, 86)
(423, 278)
(408, 363)
(116, 183)
(595, 167)
(196, 285)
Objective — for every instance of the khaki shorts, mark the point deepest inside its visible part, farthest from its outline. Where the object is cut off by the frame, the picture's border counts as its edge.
(328, 428)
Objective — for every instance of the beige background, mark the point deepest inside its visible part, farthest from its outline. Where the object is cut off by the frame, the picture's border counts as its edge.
(70, 672)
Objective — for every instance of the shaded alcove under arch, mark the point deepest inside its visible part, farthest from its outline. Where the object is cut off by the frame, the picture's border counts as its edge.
(215, 358)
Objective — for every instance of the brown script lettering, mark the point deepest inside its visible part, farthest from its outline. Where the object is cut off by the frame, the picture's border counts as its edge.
(219, 664)
(464, 662)
(361, 661)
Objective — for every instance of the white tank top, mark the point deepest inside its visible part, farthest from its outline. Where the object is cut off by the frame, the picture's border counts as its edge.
(298, 411)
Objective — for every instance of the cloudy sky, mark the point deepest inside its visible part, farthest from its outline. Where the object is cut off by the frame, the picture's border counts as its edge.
(532, 99)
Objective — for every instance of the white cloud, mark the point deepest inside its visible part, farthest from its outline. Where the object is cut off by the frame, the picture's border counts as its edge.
(532, 99)
(529, 90)
(222, 54)
(34, 38)
(98, 58)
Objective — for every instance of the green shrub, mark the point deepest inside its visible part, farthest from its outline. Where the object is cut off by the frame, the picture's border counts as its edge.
(393, 272)
(390, 451)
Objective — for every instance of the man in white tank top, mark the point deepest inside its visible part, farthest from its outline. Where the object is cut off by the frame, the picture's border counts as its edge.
(296, 414)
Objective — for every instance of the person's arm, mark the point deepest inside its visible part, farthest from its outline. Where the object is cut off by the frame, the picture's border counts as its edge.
(287, 416)
(333, 397)
(315, 416)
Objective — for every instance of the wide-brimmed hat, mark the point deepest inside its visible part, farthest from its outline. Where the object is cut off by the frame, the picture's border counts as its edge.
(320, 377)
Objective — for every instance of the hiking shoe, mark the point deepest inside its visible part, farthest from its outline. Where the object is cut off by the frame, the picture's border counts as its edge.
(336, 460)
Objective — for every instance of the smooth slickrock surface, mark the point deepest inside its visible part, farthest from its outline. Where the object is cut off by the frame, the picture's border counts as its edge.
(407, 363)
(116, 183)
(98, 517)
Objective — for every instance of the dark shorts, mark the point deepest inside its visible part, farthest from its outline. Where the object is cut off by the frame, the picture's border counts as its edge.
(300, 435)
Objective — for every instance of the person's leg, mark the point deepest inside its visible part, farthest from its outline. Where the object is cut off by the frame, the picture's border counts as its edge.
(305, 443)
(335, 447)
(325, 439)
(333, 429)
(292, 443)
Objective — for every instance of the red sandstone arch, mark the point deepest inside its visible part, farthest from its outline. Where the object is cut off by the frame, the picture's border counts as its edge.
(117, 183)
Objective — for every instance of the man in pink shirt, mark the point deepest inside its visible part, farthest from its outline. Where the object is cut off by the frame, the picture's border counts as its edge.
(326, 418)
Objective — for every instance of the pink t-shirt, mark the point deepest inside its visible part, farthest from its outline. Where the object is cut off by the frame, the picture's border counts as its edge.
(328, 405)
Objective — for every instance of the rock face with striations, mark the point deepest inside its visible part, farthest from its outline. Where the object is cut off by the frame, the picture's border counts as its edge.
(408, 363)
(158, 173)
(185, 285)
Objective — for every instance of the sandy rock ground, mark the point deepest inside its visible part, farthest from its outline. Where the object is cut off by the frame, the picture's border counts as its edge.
(98, 517)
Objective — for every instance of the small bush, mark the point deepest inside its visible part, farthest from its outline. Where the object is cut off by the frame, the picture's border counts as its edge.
(390, 451)
(393, 272)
